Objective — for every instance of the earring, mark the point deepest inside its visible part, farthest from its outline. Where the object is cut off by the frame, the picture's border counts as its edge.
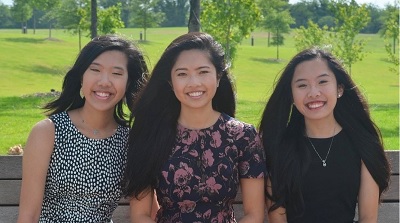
(339, 95)
(81, 93)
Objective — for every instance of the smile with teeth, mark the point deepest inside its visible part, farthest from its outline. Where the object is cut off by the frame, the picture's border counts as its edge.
(195, 94)
(314, 105)
(102, 94)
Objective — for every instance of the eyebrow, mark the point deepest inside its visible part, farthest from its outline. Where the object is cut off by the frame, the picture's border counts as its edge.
(321, 75)
(201, 67)
(115, 67)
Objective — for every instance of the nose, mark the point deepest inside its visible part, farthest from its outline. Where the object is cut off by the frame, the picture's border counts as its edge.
(314, 92)
(193, 80)
(104, 79)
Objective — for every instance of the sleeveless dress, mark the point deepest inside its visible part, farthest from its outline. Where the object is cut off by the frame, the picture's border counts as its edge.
(200, 180)
(330, 193)
(84, 175)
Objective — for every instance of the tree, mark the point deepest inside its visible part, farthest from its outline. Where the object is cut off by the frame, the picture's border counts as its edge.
(390, 32)
(73, 15)
(110, 19)
(145, 15)
(311, 36)
(350, 20)
(176, 12)
(194, 16)
(93, 16)
(5, 16)
(21, 12)
(229, 21)
(277, 20)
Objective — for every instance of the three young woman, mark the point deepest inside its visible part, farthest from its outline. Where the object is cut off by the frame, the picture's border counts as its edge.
(324, 153)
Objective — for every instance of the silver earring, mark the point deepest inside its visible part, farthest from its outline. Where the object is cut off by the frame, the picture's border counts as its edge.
(339, 95)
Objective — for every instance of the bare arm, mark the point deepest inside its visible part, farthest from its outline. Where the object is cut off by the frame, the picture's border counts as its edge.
(278, 215)
(368, 197)
(253, 200)
(35, 163)
(155, 206)
(142, 211)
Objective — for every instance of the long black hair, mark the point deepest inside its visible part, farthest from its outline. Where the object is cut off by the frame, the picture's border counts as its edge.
(137, 74)
(157, 109)
(282, 130)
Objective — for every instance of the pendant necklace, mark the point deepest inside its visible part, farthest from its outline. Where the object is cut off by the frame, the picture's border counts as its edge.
(327, 154)
(95, 132)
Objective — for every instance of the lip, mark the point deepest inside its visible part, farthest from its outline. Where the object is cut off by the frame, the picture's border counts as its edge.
(195, 94)
(315, 105)
(102, 94)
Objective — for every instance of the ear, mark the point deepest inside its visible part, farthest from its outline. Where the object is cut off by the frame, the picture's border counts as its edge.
(340, 90)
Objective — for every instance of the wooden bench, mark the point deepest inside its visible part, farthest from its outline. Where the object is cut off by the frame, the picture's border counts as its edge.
(11, 172)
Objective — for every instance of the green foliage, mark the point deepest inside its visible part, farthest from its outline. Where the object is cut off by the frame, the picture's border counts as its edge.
(277, 20)
(311, 36)
(350, 20)
(21, 11)
(229, 22)
(176, 12)
(390, 33)
(145, 16)
(110, 19)
(74, 15)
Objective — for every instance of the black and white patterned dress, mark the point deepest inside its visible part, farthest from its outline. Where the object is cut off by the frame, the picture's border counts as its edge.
(84, 175)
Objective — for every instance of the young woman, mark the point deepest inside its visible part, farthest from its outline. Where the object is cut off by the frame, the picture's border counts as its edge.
(74, 160)
(325, 154)
(185, 144)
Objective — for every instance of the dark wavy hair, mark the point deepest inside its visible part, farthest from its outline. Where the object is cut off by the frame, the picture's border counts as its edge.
(282, 129)
(137, 75)
(157, 109)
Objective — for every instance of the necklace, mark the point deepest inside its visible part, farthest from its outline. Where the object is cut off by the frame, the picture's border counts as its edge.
(329, 150)
(95, 132)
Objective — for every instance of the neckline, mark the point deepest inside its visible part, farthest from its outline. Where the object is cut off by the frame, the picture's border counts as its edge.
(87, 137)
(220, 118)
(315, 139)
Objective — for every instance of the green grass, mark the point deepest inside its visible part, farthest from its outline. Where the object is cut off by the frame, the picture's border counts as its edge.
(33, 63)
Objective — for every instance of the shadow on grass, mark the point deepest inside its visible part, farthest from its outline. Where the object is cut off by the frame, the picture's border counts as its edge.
(44, 70)
(20, 103)
(25, 40)
(268, 60)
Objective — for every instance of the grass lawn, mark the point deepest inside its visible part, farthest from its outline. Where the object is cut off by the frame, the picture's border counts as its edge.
(34, 63)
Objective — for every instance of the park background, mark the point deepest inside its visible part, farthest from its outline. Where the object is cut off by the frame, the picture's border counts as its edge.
(34, 63)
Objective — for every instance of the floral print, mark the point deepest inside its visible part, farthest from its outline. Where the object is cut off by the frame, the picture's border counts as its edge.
(200, 180)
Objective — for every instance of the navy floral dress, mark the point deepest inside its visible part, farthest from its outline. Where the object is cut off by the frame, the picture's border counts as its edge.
(200, 180)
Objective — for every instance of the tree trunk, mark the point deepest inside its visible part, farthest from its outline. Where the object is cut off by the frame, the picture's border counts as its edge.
(93, 25)
(194, 16)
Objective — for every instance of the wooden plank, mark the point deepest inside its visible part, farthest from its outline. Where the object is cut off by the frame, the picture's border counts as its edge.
(10, 167)
(388, 213)
(392, 194)
(9, 192)
(393, 157)
(8, 214)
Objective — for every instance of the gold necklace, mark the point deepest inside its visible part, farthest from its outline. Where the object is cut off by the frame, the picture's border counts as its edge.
(329, 150)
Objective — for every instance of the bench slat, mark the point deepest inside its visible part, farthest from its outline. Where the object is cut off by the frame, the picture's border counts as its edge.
(10, 167)
(388, 213)
(393, 157)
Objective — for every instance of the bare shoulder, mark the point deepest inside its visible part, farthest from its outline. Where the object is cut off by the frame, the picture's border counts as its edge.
(41, 136)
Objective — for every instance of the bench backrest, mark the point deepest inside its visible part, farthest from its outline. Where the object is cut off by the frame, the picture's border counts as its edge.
(11, 174)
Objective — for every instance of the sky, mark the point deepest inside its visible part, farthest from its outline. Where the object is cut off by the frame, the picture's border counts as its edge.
(379, 3)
